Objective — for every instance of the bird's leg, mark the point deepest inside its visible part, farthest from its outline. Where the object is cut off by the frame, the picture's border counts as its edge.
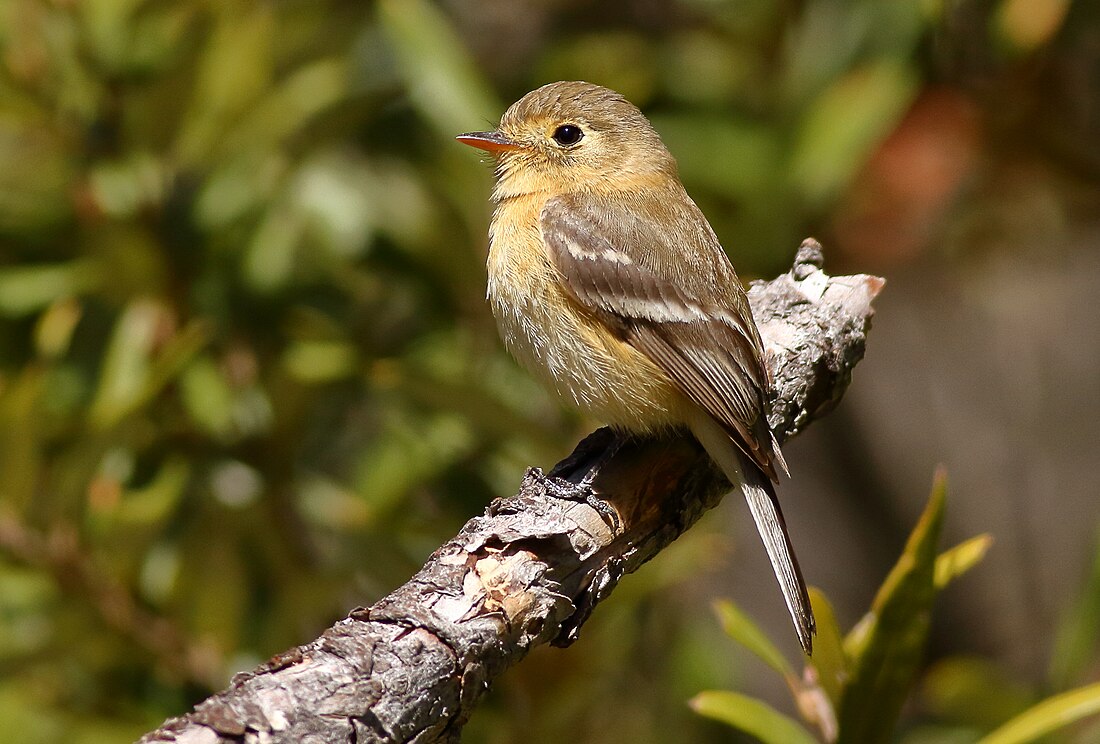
(618, 439)
(584, 490)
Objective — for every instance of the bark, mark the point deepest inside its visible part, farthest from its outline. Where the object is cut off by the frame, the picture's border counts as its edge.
(532, 569)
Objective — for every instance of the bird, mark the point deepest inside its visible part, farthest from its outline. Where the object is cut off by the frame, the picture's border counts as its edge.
(608, 283)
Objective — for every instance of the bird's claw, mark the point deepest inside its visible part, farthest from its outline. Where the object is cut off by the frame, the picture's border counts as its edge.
(582, 492)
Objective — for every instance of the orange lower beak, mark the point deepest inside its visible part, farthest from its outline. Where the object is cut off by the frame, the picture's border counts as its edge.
(488, 141)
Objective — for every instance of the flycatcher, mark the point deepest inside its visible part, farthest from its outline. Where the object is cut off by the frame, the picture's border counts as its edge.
(608, 282)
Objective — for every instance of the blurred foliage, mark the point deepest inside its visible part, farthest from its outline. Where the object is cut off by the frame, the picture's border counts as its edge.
(247, 376)
(852, 689)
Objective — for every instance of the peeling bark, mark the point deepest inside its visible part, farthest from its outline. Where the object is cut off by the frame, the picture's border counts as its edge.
(532, 569)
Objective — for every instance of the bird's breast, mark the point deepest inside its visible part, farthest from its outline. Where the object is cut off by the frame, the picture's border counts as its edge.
(556, 339)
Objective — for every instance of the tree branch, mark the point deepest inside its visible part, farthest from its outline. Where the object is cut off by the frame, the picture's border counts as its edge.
(535, 565)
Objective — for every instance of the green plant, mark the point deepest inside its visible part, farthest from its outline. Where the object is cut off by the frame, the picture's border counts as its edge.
(854, 687)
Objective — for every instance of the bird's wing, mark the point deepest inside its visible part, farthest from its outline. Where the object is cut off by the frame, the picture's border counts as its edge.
(657, 276)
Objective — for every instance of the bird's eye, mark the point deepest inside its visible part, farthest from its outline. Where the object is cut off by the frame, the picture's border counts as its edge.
(568, 134)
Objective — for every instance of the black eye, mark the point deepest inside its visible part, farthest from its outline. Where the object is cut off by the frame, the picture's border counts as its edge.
(568, 134)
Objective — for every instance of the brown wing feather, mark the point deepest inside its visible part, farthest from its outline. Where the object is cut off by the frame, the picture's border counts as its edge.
(679, 304)
(707, 386)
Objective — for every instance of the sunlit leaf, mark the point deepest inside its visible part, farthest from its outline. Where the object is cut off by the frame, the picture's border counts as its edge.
(159, 572)
(122, 187)
(207, 397)
(243, 183)
(269, 257)
(1049, 715)
(887, 657)
(751, 716)
(106, 25)
(730, 155)
(410, 449)
(125, 371)
(157, 35)
(742, 629)
(338, 194)
(953, 563)
(27, 289)
(320, 361)
(828, 657)
(289, 105)
(441, 77)
(54, 330)
(236, 67)
(845, 124)
(150, 504)
(830, 39)
(134, 369)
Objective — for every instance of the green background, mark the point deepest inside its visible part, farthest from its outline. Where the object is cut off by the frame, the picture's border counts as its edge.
(248, 378)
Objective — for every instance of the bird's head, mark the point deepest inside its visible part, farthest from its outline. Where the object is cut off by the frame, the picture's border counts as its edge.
(571, 136)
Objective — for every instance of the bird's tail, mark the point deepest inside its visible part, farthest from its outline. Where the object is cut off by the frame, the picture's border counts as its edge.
(759, 492)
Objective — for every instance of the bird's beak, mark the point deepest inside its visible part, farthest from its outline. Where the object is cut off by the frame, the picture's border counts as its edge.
(489, 141)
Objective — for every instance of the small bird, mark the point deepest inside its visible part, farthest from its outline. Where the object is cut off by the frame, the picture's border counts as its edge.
(607, 281)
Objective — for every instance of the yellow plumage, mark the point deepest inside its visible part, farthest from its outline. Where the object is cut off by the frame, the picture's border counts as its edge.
(559, 341)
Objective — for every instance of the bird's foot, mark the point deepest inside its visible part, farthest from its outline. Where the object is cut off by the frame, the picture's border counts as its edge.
(582, 492)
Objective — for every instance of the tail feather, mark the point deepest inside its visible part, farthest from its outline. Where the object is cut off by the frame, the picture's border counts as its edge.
(773, 531)
(764, 505)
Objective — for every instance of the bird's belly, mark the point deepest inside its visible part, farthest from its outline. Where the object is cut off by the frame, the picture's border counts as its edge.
(568, 348)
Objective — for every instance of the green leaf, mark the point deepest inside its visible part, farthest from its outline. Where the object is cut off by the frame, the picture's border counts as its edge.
(441, 77)
(207, 397)
(286, 108)
(738, 626)
(844, 125)
(410, 450)
(139, 363)
(958, 560)
(53, 332)
(1049, 715)
(886, 649)
(125, 372)
(828, 658)
(1078, 635)
(30, 288)
(751, 716)
(972, 691)
(237, 66)
(732, 156)
(150, 505)
(314, 362)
